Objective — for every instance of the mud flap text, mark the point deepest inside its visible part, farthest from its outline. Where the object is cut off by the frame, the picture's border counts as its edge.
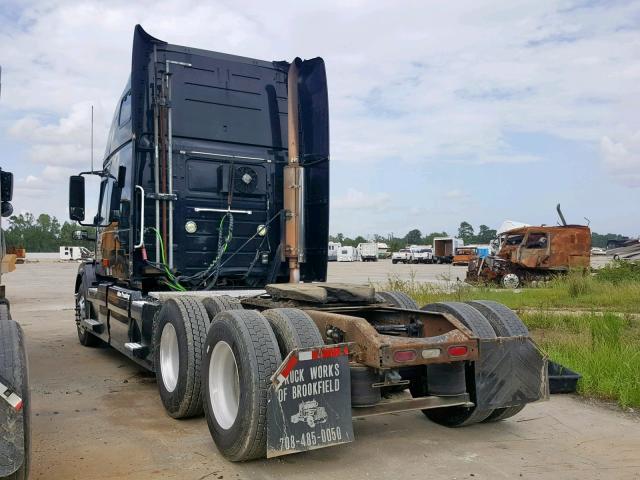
(310, 401)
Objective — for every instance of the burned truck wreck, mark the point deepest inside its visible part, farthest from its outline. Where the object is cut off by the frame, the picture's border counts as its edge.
(533, 253)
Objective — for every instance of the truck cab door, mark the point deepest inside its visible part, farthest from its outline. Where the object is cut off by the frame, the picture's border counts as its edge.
(114, 237)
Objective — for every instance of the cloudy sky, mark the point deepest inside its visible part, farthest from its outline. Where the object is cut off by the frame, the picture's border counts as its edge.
(440, 111)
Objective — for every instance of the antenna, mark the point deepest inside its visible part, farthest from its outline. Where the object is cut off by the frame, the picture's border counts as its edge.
(92, 138)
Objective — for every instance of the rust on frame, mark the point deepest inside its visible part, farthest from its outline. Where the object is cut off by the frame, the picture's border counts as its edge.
(376, 350)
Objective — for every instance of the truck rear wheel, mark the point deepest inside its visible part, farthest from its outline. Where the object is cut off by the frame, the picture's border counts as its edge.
(220, 303)
(15, 442)
(398, 299)
(241, 356)
(506, 324)
(179, 333)
(293, 329)
(83, 310)
(472, 319)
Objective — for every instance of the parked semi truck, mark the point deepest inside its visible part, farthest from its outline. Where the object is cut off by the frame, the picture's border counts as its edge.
(211, 264)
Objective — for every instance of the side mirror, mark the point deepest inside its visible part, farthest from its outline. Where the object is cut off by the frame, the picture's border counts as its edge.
(76, 198)
(6, 209)
(6, 186)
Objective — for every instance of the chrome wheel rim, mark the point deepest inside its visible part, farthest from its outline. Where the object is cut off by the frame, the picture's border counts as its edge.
(510, 280)
(224, 385)
(169, 357)
(81, 312)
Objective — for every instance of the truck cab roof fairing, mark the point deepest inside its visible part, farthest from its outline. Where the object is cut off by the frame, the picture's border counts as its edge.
(236, 106)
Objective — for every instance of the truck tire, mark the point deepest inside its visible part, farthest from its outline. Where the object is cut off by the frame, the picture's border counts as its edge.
(504, 321)
(83, 310)
(241, 356)
(472, 319)
(394, 261)
(506, 324)
(15, 427)
(179, 333)
(220, 303)
(5, 314)
(398, 299)
(293, 329)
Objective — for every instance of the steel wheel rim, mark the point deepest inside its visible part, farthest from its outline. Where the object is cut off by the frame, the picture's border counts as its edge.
(510, 280)
(224, 385)
(169, 357)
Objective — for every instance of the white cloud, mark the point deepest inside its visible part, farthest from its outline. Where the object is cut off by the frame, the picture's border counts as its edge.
(622, 158)
(358, 200)
(421, 85)
(456, 194)
(31, 186)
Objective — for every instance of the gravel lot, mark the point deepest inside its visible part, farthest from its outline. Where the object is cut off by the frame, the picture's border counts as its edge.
(98, 415)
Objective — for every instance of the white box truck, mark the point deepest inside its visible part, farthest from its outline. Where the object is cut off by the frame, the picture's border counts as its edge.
(368, 252)
(444, 248)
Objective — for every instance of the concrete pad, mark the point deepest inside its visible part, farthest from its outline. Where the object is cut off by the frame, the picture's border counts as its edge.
(98, 415)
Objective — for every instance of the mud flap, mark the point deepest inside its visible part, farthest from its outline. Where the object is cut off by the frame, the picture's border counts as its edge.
(510, 371)
(310, 401)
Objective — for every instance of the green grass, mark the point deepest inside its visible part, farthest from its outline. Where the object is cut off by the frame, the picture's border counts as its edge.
(604, 349)
(575, 291)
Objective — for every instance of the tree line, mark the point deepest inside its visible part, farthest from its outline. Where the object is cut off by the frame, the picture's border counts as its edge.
(466, 232)
(43, 233)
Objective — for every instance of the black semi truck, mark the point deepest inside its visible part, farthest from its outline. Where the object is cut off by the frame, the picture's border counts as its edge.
(211, 263)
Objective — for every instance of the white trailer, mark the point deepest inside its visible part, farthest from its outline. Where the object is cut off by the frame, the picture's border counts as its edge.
(444, 248)
(332, 255)
(74, 253)
(368, 252)
(347, 254)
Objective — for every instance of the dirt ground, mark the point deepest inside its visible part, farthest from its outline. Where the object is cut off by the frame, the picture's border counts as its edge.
(99, 416)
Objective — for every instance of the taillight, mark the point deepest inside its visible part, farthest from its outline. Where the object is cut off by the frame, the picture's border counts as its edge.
(400, 356)
(457, 351)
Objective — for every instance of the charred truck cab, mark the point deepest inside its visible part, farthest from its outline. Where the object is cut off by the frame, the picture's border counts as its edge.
(211, 264)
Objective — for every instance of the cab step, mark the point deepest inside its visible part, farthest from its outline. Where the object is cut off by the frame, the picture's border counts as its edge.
(93, 325)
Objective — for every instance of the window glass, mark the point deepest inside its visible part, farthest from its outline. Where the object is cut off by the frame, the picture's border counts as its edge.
(514, 239)
(106, 189)
(537, 240)
(125, 110)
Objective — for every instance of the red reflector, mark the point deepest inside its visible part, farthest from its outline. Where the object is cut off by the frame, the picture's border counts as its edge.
(404, 356)
(457, 350)
(105, 262)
